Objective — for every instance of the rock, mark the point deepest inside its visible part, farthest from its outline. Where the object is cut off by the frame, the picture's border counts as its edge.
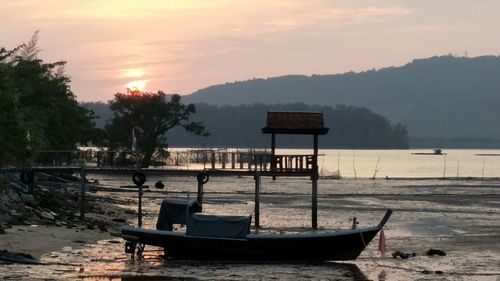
(4, 218)
(159, 185)
(67, 249)
(16, 188)
(27, 198)
(47, 215)
(2, 231)
(103, 228)
(79, 241)
(13, 196)
(432, 252)
(402, 255)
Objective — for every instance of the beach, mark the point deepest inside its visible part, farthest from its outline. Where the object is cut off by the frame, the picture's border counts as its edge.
(459, 217)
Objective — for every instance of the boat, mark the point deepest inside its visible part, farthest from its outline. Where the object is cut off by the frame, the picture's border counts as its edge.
(228, 238)
(436, 151)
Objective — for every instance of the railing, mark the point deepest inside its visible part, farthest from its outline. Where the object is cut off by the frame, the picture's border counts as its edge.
(293, 163)
(214, 159)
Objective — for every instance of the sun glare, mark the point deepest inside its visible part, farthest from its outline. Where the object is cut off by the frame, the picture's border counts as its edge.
(136, 87)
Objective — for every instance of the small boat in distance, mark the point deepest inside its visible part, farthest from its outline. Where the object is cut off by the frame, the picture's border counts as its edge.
(436, 151)
(224, 238)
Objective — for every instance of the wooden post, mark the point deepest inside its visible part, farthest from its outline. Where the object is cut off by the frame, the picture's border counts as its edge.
(315, 151)
(139, 207)
(139, 179)
(273, 153)
(233, 162)
(213, 160)
(314, 178)
(314, 207)
(223, 160)
(199, 194)
(257, 200)
(273, 144)
(82, 190)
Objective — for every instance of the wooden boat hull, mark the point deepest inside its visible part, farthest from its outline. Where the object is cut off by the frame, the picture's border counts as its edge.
(341, 245)
(311, 246)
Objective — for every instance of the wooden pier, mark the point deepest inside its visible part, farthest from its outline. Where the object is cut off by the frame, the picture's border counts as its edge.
(200, 162)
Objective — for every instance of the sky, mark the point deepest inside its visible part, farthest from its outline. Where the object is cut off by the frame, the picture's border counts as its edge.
(180, 46)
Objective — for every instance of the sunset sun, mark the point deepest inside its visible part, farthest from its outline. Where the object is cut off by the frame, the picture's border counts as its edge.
(136, 86)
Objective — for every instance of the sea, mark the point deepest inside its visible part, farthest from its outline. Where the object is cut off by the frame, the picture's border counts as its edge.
(400, 163)
(411, 163)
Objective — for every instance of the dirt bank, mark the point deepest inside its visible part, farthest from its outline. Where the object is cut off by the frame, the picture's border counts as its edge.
(47, 217)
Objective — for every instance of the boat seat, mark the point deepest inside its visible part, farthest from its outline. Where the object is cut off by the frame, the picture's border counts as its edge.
(175, 211)
(224, 226)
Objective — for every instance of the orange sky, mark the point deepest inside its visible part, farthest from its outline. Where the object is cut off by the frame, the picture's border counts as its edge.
(184, 45)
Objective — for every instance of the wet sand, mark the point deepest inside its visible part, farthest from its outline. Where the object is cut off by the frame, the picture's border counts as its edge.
(38, 240)
(459, 217)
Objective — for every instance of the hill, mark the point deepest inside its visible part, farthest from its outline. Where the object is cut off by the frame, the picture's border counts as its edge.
(240, 126)
(443, 101)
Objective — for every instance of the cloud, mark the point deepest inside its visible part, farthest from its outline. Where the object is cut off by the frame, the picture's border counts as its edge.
(278, 18)
(188, 44)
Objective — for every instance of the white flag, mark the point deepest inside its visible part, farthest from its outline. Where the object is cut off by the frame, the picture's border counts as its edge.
(134, 140)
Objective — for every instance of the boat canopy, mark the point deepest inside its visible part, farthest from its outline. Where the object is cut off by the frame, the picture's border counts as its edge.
(236, 227)
(175, 211)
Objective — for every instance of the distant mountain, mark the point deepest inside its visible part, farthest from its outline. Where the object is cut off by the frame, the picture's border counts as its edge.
(101, 110)
(240, 126)
(447, 100)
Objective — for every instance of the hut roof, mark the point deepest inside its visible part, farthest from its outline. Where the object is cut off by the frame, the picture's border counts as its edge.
(304, 123)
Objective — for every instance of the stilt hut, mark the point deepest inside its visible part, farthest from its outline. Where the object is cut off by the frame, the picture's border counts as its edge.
(297, 123)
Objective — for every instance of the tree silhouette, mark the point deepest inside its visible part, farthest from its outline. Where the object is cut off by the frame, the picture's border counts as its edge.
(37, 108)
(150, 116)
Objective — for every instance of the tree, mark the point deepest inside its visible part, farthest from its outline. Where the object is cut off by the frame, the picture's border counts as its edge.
(151, 116)
(13, 137)
(37, 108)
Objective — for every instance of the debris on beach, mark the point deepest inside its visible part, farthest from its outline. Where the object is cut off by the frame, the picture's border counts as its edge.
(11, 257)
(52, 200)
(402, 255)
(435, 252)
(159, 185)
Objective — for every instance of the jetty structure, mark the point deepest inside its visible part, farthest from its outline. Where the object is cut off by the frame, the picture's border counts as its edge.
(297, 123)
(220, 162)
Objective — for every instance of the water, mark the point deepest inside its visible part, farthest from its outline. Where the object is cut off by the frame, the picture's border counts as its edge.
(401, 163)
(405, 164)
(459, 216)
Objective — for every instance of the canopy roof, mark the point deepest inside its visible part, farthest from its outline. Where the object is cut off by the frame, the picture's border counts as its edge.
(296, 122)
